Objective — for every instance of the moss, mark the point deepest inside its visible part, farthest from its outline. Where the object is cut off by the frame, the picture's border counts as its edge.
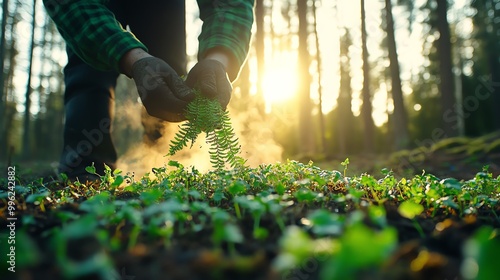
(494, 147)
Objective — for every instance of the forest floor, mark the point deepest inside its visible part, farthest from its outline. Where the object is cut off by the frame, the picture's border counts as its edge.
(279, 221)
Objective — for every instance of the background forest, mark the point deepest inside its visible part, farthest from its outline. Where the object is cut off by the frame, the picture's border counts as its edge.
(323, 80)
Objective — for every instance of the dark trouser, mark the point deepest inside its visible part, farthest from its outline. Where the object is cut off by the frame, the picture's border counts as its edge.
(89, 94)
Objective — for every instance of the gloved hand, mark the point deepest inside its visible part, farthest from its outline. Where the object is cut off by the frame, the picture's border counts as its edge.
(162, 91)
(209, 76)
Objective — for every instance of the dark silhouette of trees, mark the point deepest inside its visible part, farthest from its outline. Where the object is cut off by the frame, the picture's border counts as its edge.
(27, 103)
(446, 77)
(400, 118)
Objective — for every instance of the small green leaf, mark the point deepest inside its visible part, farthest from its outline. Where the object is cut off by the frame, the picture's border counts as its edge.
(91, 169)
(218, 196)
(237, 187)
(305, 195)
(451, 183)
(118, 181)
(233, 234)
(260, 233)
(37, 197)
(280, 188)
(448, 202)
(323, 222)
(410, 209)
(378, 215)
(194, 194)
(175, 163)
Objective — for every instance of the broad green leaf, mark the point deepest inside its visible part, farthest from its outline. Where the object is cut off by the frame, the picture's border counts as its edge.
(305, 195)
(85, 226)
(360, 247)
(481, 255)
(323, 222)
(171, 205)
(296, 242)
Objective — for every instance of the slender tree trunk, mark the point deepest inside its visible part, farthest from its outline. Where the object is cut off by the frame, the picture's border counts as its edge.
(366, 109)
(305, 119)
(493, 48)
(3, 141)
(9, 105)
(44, 100)
(450, 116)
(26, 126)
(457, 82)
(344, 100)
(320, 88)
(401, 134)
(495, 86)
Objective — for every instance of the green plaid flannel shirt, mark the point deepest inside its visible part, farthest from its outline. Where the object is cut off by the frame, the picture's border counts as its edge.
(92, 32)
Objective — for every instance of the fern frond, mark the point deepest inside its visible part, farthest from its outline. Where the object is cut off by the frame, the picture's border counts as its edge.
(206, 115)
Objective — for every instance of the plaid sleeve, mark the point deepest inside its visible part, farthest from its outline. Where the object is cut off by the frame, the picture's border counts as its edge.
(227, 24)
(91, 30)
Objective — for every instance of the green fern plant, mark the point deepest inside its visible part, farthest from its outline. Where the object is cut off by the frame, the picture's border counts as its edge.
(206, 115)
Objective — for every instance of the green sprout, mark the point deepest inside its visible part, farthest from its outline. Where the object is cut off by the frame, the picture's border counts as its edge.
(257, 210)
(38, 199)
(225, 230)
(410, 210)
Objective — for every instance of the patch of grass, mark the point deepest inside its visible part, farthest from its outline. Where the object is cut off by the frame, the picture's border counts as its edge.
(291, 218)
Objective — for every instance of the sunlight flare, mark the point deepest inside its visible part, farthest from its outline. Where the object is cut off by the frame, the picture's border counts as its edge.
(279, 83)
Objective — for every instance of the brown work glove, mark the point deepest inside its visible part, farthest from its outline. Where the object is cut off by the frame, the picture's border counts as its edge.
(209, 76)
(162, 91)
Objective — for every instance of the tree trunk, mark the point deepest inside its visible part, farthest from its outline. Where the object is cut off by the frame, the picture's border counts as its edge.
(27, 104)
(305, 119)
(3, 141)
(401, 134)
(487, 34)
(8, 87)
(344, 100)
(449, 114)
(44, 101)
(494, 46)
(457, 83)
(366, 109)
(495, 86)
(320, 88)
